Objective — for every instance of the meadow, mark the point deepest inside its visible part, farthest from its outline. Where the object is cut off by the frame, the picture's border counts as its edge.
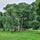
(28, 35)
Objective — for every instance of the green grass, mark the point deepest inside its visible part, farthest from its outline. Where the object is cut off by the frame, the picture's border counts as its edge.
(29, 35)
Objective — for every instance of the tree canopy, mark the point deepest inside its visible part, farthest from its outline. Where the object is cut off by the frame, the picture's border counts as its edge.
(20, 16)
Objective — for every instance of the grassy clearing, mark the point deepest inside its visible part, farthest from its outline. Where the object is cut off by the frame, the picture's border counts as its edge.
(29, 35)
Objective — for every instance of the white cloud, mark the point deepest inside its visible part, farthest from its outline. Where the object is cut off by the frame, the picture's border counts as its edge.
(5, 2)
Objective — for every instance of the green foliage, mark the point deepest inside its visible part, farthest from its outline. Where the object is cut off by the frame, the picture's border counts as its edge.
(37, 1)
(20, 16)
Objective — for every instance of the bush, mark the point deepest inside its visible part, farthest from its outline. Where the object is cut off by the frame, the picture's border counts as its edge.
(35, 25)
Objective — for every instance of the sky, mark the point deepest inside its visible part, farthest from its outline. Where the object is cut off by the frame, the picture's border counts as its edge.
(3, 3)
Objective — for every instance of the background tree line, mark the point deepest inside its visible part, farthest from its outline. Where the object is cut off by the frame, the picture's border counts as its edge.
(20, 16)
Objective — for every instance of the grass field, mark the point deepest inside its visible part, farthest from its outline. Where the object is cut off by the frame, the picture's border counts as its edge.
(29, 35)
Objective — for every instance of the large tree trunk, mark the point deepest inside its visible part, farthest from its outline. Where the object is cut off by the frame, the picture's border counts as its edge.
(18, 25)
(3, 29)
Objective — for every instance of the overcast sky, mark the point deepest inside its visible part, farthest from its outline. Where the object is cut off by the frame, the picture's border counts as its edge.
(5, 2)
